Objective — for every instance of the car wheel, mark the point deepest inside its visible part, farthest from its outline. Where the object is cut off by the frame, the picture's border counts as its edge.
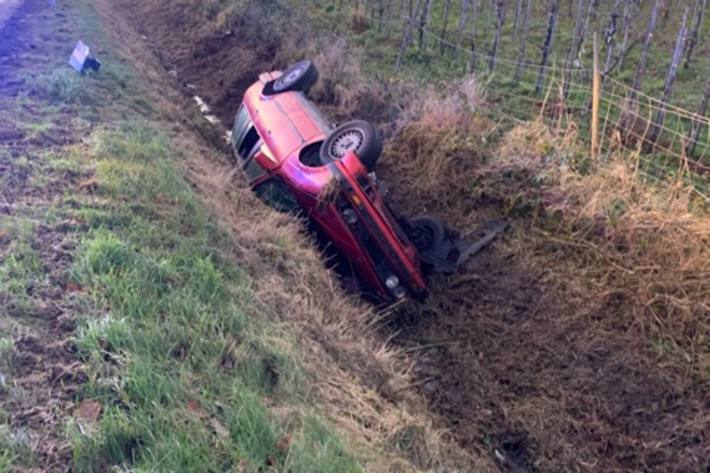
(358, 136)
(299, 77)
(426, 232)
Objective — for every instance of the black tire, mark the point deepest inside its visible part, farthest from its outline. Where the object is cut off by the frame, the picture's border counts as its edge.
(426, 232)
(358, 136)
(299, 77)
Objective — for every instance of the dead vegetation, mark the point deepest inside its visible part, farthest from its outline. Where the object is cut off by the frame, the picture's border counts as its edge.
(646, 246)
(438, 141)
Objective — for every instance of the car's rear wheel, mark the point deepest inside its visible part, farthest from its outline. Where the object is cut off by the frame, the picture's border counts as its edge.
(426, 232)
(358, 136)
(299, 77)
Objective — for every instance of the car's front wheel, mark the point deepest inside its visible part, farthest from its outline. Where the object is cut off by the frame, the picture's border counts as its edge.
(358, 136)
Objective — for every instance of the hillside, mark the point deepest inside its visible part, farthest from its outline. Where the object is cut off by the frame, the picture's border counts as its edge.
(156, 316)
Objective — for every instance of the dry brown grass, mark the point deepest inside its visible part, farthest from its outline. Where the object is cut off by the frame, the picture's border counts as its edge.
(618, 270)
(644, 245)
(438, 138)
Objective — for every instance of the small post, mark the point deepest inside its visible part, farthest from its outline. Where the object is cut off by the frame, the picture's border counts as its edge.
(596, 96)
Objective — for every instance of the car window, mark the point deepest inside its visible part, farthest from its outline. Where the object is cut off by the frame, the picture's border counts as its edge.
(275, 194)
(251, 138)
(253, 170)
(244, 135)
(241, 122)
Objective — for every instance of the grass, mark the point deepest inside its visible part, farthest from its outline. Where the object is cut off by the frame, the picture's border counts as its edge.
(182, 360)
(60, 85)
(21, 264)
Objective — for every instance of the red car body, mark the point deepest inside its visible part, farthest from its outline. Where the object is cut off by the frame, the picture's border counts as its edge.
(274, 139)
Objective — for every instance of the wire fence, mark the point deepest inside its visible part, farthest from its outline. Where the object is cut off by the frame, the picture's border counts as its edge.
(668, 141)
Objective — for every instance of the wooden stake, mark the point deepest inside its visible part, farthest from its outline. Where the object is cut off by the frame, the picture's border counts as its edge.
(596, 96)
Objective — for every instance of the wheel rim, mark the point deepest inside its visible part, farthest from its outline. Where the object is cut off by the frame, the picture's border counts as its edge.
(290, 77)
(349, 140)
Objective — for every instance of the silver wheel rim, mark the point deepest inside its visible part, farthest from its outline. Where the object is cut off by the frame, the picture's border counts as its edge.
(290, 77)
(347, 141)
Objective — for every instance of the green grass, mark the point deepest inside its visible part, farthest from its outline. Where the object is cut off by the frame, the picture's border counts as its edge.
(181, 357)
(21, 265)
(59, 84)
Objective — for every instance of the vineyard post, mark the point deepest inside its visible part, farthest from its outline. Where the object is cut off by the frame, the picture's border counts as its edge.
(407, 34)
(424, 23)
(475, 11)
(523, 41)
(670, 78)
(596, 98)
(500, 8)
(695, 127)
(610, 36)
(554, 6)
(648, 38)
(695, 33)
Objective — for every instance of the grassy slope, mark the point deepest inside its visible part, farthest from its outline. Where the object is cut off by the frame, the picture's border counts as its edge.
(190, 358)
(179, 354)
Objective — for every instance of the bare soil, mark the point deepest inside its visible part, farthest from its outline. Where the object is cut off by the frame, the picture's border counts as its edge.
(536, 375)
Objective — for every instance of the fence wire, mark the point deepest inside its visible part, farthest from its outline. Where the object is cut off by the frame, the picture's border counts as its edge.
(668, 140)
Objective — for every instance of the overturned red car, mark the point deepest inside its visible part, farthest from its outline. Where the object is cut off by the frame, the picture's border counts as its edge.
(296, 162)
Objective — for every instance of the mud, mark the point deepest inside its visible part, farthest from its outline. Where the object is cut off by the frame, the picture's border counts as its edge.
(537, 376)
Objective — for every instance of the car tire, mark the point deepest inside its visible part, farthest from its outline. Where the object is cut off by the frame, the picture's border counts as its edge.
(426, 232)
(358, 136)
(299, 77)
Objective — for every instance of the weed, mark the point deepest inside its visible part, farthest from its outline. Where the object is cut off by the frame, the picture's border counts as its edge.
(61, 84)
(14, 448)
(21, 266)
